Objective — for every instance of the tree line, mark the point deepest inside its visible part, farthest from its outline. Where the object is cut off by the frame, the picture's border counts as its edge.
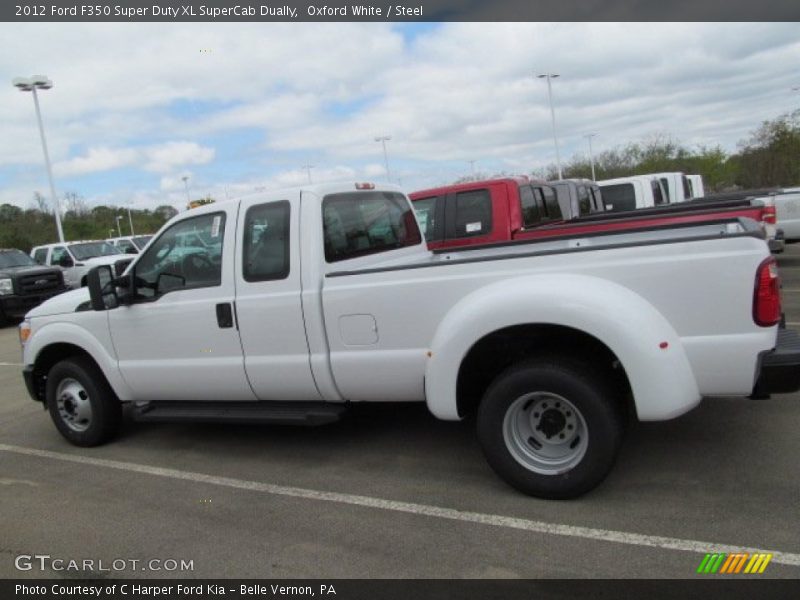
(769, 157)
(25, 228)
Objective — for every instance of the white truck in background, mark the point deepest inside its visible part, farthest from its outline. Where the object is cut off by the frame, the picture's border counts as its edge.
(696, 186)
(308, 300)
(677, 186)
(629, 193)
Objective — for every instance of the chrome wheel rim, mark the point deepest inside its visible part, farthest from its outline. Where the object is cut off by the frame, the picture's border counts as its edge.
(545, 433)
(73, 404)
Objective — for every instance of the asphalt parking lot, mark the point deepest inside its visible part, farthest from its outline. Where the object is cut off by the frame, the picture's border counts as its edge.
(391, 492)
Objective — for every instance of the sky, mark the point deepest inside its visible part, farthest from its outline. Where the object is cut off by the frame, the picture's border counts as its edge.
(239, 108)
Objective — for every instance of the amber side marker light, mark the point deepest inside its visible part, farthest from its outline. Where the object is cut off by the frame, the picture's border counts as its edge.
(24, 332)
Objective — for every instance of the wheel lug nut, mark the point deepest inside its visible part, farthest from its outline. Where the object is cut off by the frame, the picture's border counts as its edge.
(561, 435)
(569, 414)
(535, 415)
(569, 426)
(544, 405)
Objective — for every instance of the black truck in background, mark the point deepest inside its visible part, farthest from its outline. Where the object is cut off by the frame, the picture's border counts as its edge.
(25, 284)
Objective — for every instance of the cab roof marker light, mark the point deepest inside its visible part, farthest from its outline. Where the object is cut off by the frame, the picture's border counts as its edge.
(365, 186)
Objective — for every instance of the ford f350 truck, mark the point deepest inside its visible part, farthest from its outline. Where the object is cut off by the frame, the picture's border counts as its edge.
(495, 211)
(305, 301)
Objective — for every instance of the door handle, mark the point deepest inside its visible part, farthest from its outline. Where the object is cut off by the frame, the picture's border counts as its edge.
(224, 315)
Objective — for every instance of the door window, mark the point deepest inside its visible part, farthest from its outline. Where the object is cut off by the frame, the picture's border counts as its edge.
(40, 256)
(60, 257)
(620, 196)
(426, 210)
(266, 242)
(473, 213)
(187, 255)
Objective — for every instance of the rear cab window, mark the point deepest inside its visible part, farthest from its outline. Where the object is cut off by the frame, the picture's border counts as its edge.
(427, 211)
(619, 197)
(539, 205)
(40, 255)
(472, 213)
(358, 224)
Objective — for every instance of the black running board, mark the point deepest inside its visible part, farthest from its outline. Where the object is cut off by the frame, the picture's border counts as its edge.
(285, 413)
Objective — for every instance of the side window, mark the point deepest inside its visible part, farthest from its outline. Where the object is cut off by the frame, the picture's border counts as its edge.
(170, 263)
(40, 256)
(665, 181)
(60, 257)
(658, 197)
(266, 242)
(126, 247)
(473, 213)
(551, 203)
(539, 204)
(532, 206)
(584, 200)
(425, 209)
(620, 196)
(362, 223)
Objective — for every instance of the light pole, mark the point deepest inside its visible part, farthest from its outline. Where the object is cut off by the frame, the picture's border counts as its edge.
(31, 84)
(308, 171)
(472, 167)
(383, 139)
(186, 185)
(130, 221)
(550, 76)
(589, 137)
(119, 229)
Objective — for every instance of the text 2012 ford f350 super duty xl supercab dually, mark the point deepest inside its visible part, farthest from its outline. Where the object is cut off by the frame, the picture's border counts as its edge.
(302, 301)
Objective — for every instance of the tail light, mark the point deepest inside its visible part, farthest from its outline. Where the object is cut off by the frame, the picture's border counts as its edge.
(769, 216)
(767, 295)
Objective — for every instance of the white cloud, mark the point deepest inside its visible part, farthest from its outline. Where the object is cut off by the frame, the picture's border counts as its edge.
(165, 158)
(96, 160)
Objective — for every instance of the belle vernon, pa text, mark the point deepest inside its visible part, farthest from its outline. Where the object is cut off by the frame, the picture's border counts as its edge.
(188, 591)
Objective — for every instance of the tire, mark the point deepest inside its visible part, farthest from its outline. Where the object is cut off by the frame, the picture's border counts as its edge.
(550, 428)
(83, 406)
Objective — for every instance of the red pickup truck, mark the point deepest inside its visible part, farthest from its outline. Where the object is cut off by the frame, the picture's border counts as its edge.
(510, 209)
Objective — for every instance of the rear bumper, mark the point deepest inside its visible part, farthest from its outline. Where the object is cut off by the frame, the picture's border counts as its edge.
(779, 369)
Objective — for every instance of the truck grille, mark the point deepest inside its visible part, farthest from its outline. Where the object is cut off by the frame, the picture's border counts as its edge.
(39, 283)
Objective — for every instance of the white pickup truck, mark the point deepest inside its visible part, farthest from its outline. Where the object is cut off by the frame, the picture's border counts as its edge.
(304, 301)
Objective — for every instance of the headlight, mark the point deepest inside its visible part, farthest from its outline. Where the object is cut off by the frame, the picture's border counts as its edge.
(24, 332)
(6, 287)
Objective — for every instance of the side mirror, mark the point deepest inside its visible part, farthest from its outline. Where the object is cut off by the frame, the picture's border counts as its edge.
(167, 282)
(102, 292)
(65, 261)
(131, 250)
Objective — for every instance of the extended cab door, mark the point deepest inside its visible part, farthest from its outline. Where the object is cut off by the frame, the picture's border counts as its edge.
(268, 299)
(178, 339)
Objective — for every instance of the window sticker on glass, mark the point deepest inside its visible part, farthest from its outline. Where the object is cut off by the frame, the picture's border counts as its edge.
(473, 227)
(215, 226)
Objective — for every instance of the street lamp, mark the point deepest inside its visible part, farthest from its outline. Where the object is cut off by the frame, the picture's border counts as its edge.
(186, 185)
(589, 137)
(119, 229)
(550, 76)
(308, 170)
(130, 221)
(383, 139)
(472, 167)
(31, 84)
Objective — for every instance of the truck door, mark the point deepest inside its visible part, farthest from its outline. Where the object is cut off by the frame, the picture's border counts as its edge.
(178, 339)
(268, 299)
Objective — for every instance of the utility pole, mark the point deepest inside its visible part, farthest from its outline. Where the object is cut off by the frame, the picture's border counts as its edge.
(589, 137)
(549, 77)
(383, 139)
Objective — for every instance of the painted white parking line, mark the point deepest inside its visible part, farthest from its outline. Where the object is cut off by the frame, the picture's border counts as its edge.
(8, 364)
(603, 535)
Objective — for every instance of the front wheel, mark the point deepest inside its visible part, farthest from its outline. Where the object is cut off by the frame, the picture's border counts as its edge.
(550, 428)
(83, 406)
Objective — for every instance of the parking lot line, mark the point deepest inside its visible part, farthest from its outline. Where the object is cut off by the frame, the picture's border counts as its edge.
(603, 535)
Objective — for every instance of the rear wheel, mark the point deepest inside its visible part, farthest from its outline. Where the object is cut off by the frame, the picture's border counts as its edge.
(83, 406)
(550, 428)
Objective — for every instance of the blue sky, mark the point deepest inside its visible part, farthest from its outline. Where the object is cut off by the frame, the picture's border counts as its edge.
(240, 107)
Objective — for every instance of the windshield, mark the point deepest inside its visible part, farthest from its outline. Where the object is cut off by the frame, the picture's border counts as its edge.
(92, 249)
(141, 241)
(15, 258)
